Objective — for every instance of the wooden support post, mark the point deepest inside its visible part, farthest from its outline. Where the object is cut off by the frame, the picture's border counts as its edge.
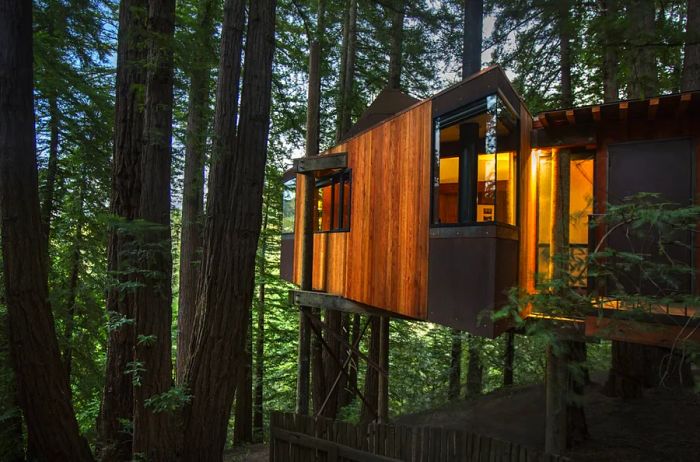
(383, 392)
(307, 247)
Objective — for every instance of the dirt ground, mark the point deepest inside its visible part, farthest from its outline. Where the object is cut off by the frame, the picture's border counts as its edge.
(662, 426)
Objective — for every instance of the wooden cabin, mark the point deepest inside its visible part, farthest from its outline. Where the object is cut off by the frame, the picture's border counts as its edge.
(433, 209)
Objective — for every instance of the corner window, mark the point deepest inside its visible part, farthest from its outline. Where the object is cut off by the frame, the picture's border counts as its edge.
(289, 196)
(475, 164)
(580, 208)
(333, 202)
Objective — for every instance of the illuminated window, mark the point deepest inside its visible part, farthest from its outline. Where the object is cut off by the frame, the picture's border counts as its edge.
(333, 202)
(289, 195)
(475, 165)
(580, 208)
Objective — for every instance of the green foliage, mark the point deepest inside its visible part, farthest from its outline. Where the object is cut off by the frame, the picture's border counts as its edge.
(170, 401)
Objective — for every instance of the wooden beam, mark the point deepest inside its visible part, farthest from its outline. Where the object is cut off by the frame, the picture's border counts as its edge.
(326, 162)
(595, 110)
(571, 117)
(327, 301)
(684, 103)
(339, 450)
(543, 120)
(623, 109)
(653, 108)
(562, 137)
(641, 332)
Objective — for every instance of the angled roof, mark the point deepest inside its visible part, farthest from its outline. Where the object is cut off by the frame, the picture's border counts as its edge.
(388, 103)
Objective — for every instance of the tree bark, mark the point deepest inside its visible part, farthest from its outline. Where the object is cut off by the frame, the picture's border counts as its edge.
(371, 391)
(258, 401)
(347, 71)
(193, 182)
(472, 39)
(306, 360)
(564, 29)
(609, 15)
(227, 278)
(475, 369)
(154, 433)
(42, 383)
(509, 359)
(690, 79)
(114, 439)
(398, 11)
(455, 375)
(73, 279)
(383, 378)
(243, 424)
(52, 167)
(643, 78)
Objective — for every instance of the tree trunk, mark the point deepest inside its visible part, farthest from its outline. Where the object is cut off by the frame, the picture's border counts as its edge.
(347, 71)
(455, 366)
(509, 359)
(227, 277)
(154, 432)
(643, 77)
(473, 31)
(383, 378)
(42, 383)
(332, 369)
(243, 425)
(52, 167)
(398, 11)
(306, 355)
(354, 358)
(475, 370)
(609, 15)
(193, 182)
(11, 435)
(690, 79)
(73, 278)
(371, 374)
(565, 417)
(564, 29)
(258, 402)
(114, 437)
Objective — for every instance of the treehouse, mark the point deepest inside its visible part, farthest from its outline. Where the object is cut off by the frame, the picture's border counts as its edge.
(432, 210)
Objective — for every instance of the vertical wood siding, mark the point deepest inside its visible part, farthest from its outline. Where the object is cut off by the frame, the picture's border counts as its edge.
(383, 260)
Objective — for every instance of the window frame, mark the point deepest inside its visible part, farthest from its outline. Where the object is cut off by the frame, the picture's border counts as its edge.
(338, 178)
(471, 109)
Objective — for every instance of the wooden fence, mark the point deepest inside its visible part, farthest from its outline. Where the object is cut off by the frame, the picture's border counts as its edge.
(296, 438)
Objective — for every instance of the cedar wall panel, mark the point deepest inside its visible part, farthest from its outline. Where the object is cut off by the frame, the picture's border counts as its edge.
(383, 260)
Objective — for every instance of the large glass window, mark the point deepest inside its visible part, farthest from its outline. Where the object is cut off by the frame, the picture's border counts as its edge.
(289, 197)
(475, 165)
(580, 208)
(333, 202)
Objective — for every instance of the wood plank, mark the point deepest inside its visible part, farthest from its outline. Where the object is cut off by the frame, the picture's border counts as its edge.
(653, 108)
(335, 161)
(640, 332)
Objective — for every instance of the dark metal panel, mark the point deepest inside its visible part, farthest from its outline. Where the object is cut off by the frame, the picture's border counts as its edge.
(481, 85)
(664, 167)
(469, 276)
(287, 257)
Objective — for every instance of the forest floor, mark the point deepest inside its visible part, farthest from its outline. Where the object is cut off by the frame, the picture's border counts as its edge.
(661, 426)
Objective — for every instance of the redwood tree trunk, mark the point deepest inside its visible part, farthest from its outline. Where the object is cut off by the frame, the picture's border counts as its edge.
(564, 25)
(227, 277)
(154, 432)
(371, 391)
(690, 79)
(41, 378)
(643, 77)
(347, 71)
(398, 11)
(455, 376)
(509, 359)
(243, 424)
(258, 430)
(473, 31)
(114, 438)
(609, 12)
(193, 182)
